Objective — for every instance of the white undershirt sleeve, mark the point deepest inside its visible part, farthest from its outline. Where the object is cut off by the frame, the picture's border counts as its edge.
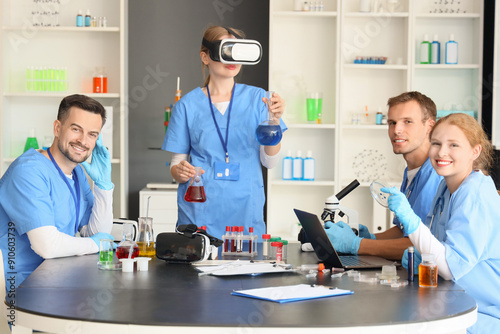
(49, 243)
(101, 218)
(268, 161)
(426, 243)
(177, 158)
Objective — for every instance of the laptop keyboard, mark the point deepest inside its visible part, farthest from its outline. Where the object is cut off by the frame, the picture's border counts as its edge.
(352, 260)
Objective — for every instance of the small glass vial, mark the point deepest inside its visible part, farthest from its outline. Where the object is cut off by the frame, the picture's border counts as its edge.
(285, 249)
(265, 245)
(251, 241)
(277, 251)
(411, 256)
(226, 238)
(427, 272)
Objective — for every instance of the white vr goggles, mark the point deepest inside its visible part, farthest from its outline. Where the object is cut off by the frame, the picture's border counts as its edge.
(234, 50)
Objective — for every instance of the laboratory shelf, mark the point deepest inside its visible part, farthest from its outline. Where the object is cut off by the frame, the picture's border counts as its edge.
(449, 16)
(77, 49)
(447, 66)
(60, 94)
(32, 29)
(310, 126)
(385, 14)
(376, 66)
(300, 183)
(305, 14)
(365, 127)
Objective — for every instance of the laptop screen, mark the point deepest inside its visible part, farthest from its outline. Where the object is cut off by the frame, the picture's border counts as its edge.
(318, 238)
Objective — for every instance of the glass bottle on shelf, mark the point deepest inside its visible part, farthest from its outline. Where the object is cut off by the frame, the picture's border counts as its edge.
(31, 141)
(100, 80)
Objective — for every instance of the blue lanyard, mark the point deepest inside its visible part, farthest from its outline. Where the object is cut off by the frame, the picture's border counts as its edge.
(76, 197)
(412, 183)
(224, 142)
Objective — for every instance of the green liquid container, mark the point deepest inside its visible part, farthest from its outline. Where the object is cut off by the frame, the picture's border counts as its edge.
(31, 141)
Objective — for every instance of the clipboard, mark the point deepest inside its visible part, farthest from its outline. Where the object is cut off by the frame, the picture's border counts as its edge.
(292, 293)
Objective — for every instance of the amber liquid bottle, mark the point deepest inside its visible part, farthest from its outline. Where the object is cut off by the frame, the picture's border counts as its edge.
(427, 272)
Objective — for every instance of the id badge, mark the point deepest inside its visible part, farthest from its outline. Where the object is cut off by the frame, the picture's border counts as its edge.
(227, 171)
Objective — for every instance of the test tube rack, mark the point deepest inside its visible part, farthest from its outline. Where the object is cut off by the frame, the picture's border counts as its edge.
(240, 245)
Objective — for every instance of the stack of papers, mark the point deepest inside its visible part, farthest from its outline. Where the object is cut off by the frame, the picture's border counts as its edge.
(292, 293)
(242, 268)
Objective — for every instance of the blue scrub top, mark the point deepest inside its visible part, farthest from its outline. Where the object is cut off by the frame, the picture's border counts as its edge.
(32, 195)
(192, 131)
(421, 191)
(468, 224)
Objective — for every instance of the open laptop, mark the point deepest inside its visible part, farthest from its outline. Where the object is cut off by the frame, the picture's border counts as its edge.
(324, 249)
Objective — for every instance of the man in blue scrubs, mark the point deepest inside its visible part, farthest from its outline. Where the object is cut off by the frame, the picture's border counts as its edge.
(411, 117)
(45, 198)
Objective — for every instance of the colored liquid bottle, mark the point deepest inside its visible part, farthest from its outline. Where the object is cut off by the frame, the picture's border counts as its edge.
(87, 18)
(427, 272)
(287, 166)
(298, 167)
(100, 81)
(451, 52)
(195, 191)
(79, 19)
(435, 51)
(269, 132)
(31, 141)
(425, 51)
(309, 166)
(127, 248)
(145, 241)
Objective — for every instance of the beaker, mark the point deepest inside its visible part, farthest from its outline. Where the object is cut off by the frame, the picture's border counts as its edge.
(269, 132)
(31, 141)
(100, 81)
(195, 191)
(105, 251)
(146, 240)
(127, 248)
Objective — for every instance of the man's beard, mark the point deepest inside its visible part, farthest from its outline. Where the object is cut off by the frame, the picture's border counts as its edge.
(67, 154)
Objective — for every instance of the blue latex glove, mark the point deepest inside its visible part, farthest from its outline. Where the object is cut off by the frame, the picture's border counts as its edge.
(398, 203)
(342, 237)
(364, 233)
(417, 258)
(100, 168)
(101, 235)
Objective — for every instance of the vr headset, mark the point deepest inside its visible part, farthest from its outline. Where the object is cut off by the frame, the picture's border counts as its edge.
(188, 244)
(234, 50)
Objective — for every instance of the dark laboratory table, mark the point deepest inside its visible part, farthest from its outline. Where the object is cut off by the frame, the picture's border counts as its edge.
(74, 289)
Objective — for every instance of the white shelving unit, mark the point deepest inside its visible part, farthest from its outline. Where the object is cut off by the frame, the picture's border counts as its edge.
(79, 50)
(315, 51)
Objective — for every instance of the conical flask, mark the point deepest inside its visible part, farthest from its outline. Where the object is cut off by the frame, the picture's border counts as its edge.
(269, 132)
(127, 248)
(195, 191)
(146, 240)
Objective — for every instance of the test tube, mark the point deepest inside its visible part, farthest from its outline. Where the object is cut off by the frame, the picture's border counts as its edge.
(285, 249)
(233, 237)
(226, 240)
(239, 241)
(411, 253)
(265, 245)
(250, 241)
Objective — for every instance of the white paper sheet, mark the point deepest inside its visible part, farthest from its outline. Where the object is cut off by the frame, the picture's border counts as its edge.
(292, 293)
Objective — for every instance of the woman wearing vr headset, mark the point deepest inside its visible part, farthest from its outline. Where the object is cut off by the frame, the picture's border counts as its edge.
(462, 227)
(213, 127)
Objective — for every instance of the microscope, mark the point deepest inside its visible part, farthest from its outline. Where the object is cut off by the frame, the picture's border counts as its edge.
(347, 215)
